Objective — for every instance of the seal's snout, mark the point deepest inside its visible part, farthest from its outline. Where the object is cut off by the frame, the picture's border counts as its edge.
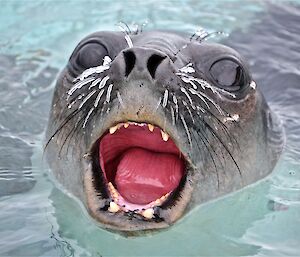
(144, 61)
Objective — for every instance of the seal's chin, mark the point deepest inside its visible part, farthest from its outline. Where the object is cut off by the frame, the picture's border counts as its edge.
(137, 171)
(141, 164)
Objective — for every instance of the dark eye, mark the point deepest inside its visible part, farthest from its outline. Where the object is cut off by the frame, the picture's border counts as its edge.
(228, 75)
(91, 55)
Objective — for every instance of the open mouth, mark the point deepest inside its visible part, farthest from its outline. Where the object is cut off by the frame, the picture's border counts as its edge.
(141, 167)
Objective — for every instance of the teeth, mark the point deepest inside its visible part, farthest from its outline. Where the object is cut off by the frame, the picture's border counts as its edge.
(113, 207)
(148, 214)
(163, 198)
(150, 127)
(113, 129)
(157, 202)
(111, 186)
(113, 191)
(115, 195)
(164, 136)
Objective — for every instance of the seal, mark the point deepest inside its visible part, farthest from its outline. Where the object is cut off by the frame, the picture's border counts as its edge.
(146, 126)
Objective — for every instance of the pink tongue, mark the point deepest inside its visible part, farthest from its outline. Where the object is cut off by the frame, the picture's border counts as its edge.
(144, 176)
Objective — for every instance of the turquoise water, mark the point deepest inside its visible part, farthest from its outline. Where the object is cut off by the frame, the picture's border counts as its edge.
(38, 218)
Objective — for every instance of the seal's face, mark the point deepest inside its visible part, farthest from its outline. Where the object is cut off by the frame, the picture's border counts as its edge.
(147, 126)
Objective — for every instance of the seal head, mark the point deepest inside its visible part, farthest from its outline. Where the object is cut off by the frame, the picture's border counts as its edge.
(144, 127)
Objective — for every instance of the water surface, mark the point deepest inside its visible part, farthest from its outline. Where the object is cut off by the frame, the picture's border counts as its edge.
(37, 218)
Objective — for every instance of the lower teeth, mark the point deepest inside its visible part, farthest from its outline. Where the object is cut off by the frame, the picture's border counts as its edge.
(113, 207)
(147, 212)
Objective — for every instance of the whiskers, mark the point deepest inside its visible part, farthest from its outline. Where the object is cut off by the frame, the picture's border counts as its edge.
(90, 95)
(94, 70)
(132, 29)
(201, 116)
(127, 30)
(200, 36)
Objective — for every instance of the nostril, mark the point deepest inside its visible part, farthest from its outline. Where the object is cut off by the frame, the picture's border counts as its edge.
(129, 58)
(153, 63)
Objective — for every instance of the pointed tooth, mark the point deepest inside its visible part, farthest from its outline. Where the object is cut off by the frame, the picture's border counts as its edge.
(113, 189)
(164, 197)
(164, 136)
(113, 129)
(157, 202)
(110, 186)
(126, 125)
(113, 207)
(150, 127)
(148, 214)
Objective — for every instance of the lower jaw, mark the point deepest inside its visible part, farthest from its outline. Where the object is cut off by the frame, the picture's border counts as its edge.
(130, 223)
(97, 207)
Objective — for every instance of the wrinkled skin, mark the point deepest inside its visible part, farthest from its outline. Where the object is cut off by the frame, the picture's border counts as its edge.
(229, 141)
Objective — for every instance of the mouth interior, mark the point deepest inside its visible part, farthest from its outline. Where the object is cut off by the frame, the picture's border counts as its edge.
(141, 165)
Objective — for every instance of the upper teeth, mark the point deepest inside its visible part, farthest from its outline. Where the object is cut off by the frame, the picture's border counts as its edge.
(164, 135)
(151, 128)
(113, 129)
